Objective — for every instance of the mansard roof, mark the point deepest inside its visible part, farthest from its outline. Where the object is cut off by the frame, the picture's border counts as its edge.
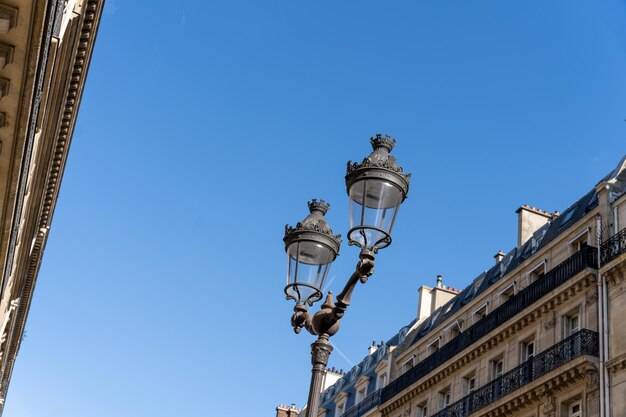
(616, 180)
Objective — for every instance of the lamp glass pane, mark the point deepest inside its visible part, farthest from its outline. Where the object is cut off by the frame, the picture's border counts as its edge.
(309, 263)
(373, 205)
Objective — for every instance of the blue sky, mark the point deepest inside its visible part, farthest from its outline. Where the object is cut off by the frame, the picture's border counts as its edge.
(205, 126)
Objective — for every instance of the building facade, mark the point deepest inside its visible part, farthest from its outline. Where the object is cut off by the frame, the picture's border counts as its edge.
(542, 333)
(45, 50)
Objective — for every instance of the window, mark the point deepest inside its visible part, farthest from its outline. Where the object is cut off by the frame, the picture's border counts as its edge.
(480, 313)
(421, 410)
(571, 323)
(341, 408)
(507, 293)
(537, 273)
(469, 384)
(360, 395)
(433, 347)
(497, 367)
(445, 398)
(408, 364)
(575, 410)
(579, 242)
(381, 381)
(527, 350)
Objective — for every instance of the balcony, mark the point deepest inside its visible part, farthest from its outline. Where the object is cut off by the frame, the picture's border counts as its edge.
(585, 258)
(584, 342)
(364, 406)
(612, 247)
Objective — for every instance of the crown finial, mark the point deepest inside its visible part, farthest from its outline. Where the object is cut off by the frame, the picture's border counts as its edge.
(318, 205)
(382, 142)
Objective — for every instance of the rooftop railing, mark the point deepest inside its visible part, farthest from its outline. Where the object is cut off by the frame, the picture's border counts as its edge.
(584, 342)
(613, 246)
(364, 406)
(585, 258)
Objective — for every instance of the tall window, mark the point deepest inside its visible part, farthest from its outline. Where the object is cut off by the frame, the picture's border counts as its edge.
(571, 323)
(381, 381)
(445, 398)
(527, 350)
(497, 367)
(421, 410)
(469, 384)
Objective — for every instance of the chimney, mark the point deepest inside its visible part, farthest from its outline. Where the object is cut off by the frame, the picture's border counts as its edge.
(499, 256)
(286, 411)
(529, 220)
(372, 348)
(431, 299)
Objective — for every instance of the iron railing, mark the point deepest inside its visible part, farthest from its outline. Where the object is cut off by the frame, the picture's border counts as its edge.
(613, 246)
(584, 342)
(364, 406)
(587, 257)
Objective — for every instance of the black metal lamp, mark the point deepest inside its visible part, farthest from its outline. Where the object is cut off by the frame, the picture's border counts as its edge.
(377, 186)
(311, 247)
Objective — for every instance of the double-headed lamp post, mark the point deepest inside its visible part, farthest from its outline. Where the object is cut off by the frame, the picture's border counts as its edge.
(377, 186)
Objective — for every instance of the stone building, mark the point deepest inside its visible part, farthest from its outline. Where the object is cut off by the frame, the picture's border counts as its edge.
(541, 333)
(45, 50)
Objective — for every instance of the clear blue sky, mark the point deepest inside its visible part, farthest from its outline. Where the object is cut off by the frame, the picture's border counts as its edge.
(206, 126)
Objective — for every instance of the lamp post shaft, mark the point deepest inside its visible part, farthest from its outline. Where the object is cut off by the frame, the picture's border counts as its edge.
(320, 351)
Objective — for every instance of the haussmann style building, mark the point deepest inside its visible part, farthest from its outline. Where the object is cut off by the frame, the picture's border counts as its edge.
(542, 333)
(45, 50)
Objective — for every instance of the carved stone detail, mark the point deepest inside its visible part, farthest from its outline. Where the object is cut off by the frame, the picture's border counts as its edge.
(550, 323)
(592, 296)
(591, 379)
(549, 405)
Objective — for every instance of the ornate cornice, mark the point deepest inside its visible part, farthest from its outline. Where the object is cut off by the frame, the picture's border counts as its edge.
(576, 286)
(616, 364)
(77, 72)
(615, 271)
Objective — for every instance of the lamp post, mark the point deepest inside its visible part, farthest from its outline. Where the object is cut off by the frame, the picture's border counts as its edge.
(376, 187)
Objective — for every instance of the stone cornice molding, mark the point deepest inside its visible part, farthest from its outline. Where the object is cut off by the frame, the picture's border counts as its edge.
(549, 303)
(615, 271)
(616, 364)
(55, 164)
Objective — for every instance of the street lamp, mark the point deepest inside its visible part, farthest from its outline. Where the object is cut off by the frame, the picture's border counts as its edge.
(376, 187)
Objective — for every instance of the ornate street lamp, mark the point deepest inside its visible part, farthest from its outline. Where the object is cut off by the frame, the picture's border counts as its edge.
(376, 187)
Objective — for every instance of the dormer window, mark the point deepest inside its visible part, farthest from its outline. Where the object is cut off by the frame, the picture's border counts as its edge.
(361, 388)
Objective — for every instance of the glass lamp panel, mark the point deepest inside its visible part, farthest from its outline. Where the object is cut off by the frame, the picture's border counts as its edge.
(373, 204)
(309, 263)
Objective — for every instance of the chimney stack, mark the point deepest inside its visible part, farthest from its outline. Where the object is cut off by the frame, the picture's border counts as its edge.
(499, 256)
(529, 220)
(431, 299)
(372, 348)
(287, 410)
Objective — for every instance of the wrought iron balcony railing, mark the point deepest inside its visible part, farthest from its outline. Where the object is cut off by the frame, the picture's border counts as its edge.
(584, 342)
(364, 406)
(585, 258)
(613, 246)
